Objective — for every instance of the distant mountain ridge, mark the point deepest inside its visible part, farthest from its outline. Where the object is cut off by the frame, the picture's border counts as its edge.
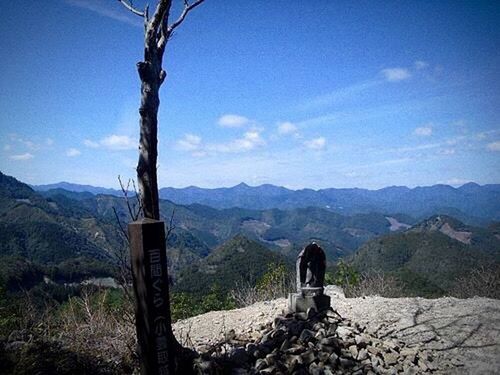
(77, 188)
(471, 203)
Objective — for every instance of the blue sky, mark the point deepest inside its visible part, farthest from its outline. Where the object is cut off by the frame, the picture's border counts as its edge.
(294, 93)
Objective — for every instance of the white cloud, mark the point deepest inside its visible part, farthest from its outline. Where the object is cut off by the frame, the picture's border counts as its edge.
(316, 143)
(26, 156)
(456, 140)
(90, 144)
(423, 131)
(194, 144)
(287, 128)
(118, 142)
(494, 146)
(233, 121)
(72, 152)
(454, 181)
(190, 142)
(419, 64)
(396, 74)
(249, 141)
(49, 141)
(7, 147)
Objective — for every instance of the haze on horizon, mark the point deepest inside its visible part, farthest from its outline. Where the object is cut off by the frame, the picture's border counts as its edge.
(295, 94)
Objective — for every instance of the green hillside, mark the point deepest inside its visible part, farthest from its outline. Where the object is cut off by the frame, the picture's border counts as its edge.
(427, 258)
(55, 235)
(237, 260)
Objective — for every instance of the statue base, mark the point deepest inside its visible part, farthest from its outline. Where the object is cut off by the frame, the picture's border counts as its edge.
(309, 298)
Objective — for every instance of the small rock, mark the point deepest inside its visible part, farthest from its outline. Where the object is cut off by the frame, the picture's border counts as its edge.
(260, 364)
(346, 363)
(271, 359)
(362, 340)
(306, 335)
(326, 348)
(323, 356)
(354, 351)
(331, 330)
(373, 350)
(285, 345)
(363, 354)
(297, 349)
(343, 332)
(333, 359)
(239, 356)
(308, 357)
(251, 348)
(390, 358)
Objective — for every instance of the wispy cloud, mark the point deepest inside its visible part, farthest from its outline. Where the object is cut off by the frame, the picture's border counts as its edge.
(425, 146)
(113, 142)
(233, 121)
(447, 151)
(420, 64)
(72, 152)
(287, 127)
(356, 89)
(423, 131)
(338, 95)
(114, 13)
(22, 157)
(396, 74)
(316, 143)
(493, 146)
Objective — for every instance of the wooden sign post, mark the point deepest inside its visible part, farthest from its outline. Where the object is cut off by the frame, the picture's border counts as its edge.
(157, 344)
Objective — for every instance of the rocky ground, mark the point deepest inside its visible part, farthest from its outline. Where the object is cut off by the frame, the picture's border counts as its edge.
(374, 335)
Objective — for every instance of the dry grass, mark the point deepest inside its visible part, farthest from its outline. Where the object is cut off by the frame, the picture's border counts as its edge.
(247, 293)
(375, 284)
(481, 282)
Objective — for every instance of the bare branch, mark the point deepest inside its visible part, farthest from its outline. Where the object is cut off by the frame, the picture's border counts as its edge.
(170, 226)
(120, 225)
(166, 34)
(129, 6)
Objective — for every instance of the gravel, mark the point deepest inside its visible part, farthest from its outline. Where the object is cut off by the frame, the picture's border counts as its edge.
(455, 336)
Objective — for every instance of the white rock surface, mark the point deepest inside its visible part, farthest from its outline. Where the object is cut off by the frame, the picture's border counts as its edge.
(460, 336)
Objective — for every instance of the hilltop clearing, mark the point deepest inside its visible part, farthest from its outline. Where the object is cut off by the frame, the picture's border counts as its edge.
(458, 336)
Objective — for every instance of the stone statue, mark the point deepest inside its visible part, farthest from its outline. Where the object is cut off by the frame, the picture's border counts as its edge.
(311, 266)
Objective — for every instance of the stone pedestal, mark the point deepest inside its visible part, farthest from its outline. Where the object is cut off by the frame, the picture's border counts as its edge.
(308, 298)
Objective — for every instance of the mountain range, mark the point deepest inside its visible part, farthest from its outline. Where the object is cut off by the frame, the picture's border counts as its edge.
(72, 235)
(471, 203)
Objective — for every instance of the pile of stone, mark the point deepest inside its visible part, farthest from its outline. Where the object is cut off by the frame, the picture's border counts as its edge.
(324, 343)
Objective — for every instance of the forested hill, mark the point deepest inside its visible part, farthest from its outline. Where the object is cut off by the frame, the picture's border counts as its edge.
(429, 258)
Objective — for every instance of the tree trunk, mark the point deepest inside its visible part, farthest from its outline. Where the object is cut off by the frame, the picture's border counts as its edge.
(152, 77)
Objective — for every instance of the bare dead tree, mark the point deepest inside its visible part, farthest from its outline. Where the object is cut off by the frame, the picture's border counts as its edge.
(157, 33)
